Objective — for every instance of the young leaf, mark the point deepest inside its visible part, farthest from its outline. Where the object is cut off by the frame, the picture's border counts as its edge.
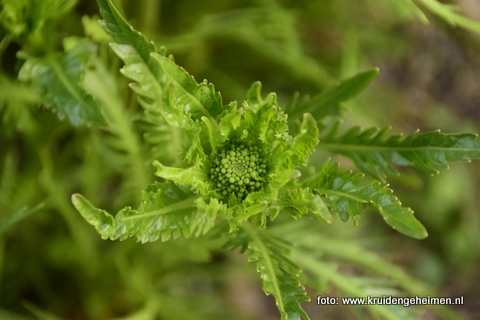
(198, 99)
(166, 210)
(57, 77)
(264, 121)
(279, 274)
(328, 102)
(194, 176)
(152, 71)
(298, 202)
(349, 199)
(303, 144)
(426, 152)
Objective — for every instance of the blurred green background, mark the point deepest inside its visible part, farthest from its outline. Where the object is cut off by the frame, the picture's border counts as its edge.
(54, 265)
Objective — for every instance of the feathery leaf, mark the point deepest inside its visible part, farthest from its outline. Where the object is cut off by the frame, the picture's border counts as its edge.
(153, 72)
(279, 274)
(298, 202)
(426, 152)
(349, 199)
(166, 211)
(57, 77)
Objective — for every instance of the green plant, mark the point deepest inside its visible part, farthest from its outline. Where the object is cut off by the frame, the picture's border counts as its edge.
(213, 186)
(251, 176)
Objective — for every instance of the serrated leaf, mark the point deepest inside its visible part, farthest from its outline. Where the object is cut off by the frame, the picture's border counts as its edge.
(265, 123)
(298, 202)
(153, 72)
(166, 211)
(194, 176)
(197, 99)
(348, 198)
(328, 102)
(426, 152)
(57, 77)
(279, 274)
(303, 144)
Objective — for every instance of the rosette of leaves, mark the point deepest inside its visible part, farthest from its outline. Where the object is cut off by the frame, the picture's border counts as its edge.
(239, 162)
(240, 165)
(236, 163)
(236, 159)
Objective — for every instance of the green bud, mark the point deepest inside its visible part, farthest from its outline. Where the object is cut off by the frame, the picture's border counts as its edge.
(234, 169)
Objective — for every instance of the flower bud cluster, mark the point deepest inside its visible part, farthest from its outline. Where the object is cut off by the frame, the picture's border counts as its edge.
(238, 170)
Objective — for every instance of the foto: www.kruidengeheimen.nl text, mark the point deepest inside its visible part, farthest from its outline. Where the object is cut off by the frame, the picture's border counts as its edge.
(389, 300)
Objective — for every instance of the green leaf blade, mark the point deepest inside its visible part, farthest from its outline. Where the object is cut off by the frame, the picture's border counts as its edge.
(279, 274)
(303, 144)
(298, 202)
(198, 99)
(349, 199)
(57, 77)
(427, 152)
(166, 211)
(156, 75)
(194, 176)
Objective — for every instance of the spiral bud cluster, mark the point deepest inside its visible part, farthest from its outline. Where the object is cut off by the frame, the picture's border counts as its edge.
(238, 170)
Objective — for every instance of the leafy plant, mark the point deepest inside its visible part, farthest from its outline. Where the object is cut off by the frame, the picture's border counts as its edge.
(251, 175)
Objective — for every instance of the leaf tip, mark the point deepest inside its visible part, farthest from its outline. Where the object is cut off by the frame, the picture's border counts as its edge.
(76, 198)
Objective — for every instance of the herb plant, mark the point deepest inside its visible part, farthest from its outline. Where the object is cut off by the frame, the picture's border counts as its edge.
(248, 175)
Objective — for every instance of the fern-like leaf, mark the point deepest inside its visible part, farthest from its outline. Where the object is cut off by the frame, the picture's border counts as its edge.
(298, 202)
(166, 211)
(374, 154)
(153, 72)
(279, 274)
(57, 78)
(349, 199)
